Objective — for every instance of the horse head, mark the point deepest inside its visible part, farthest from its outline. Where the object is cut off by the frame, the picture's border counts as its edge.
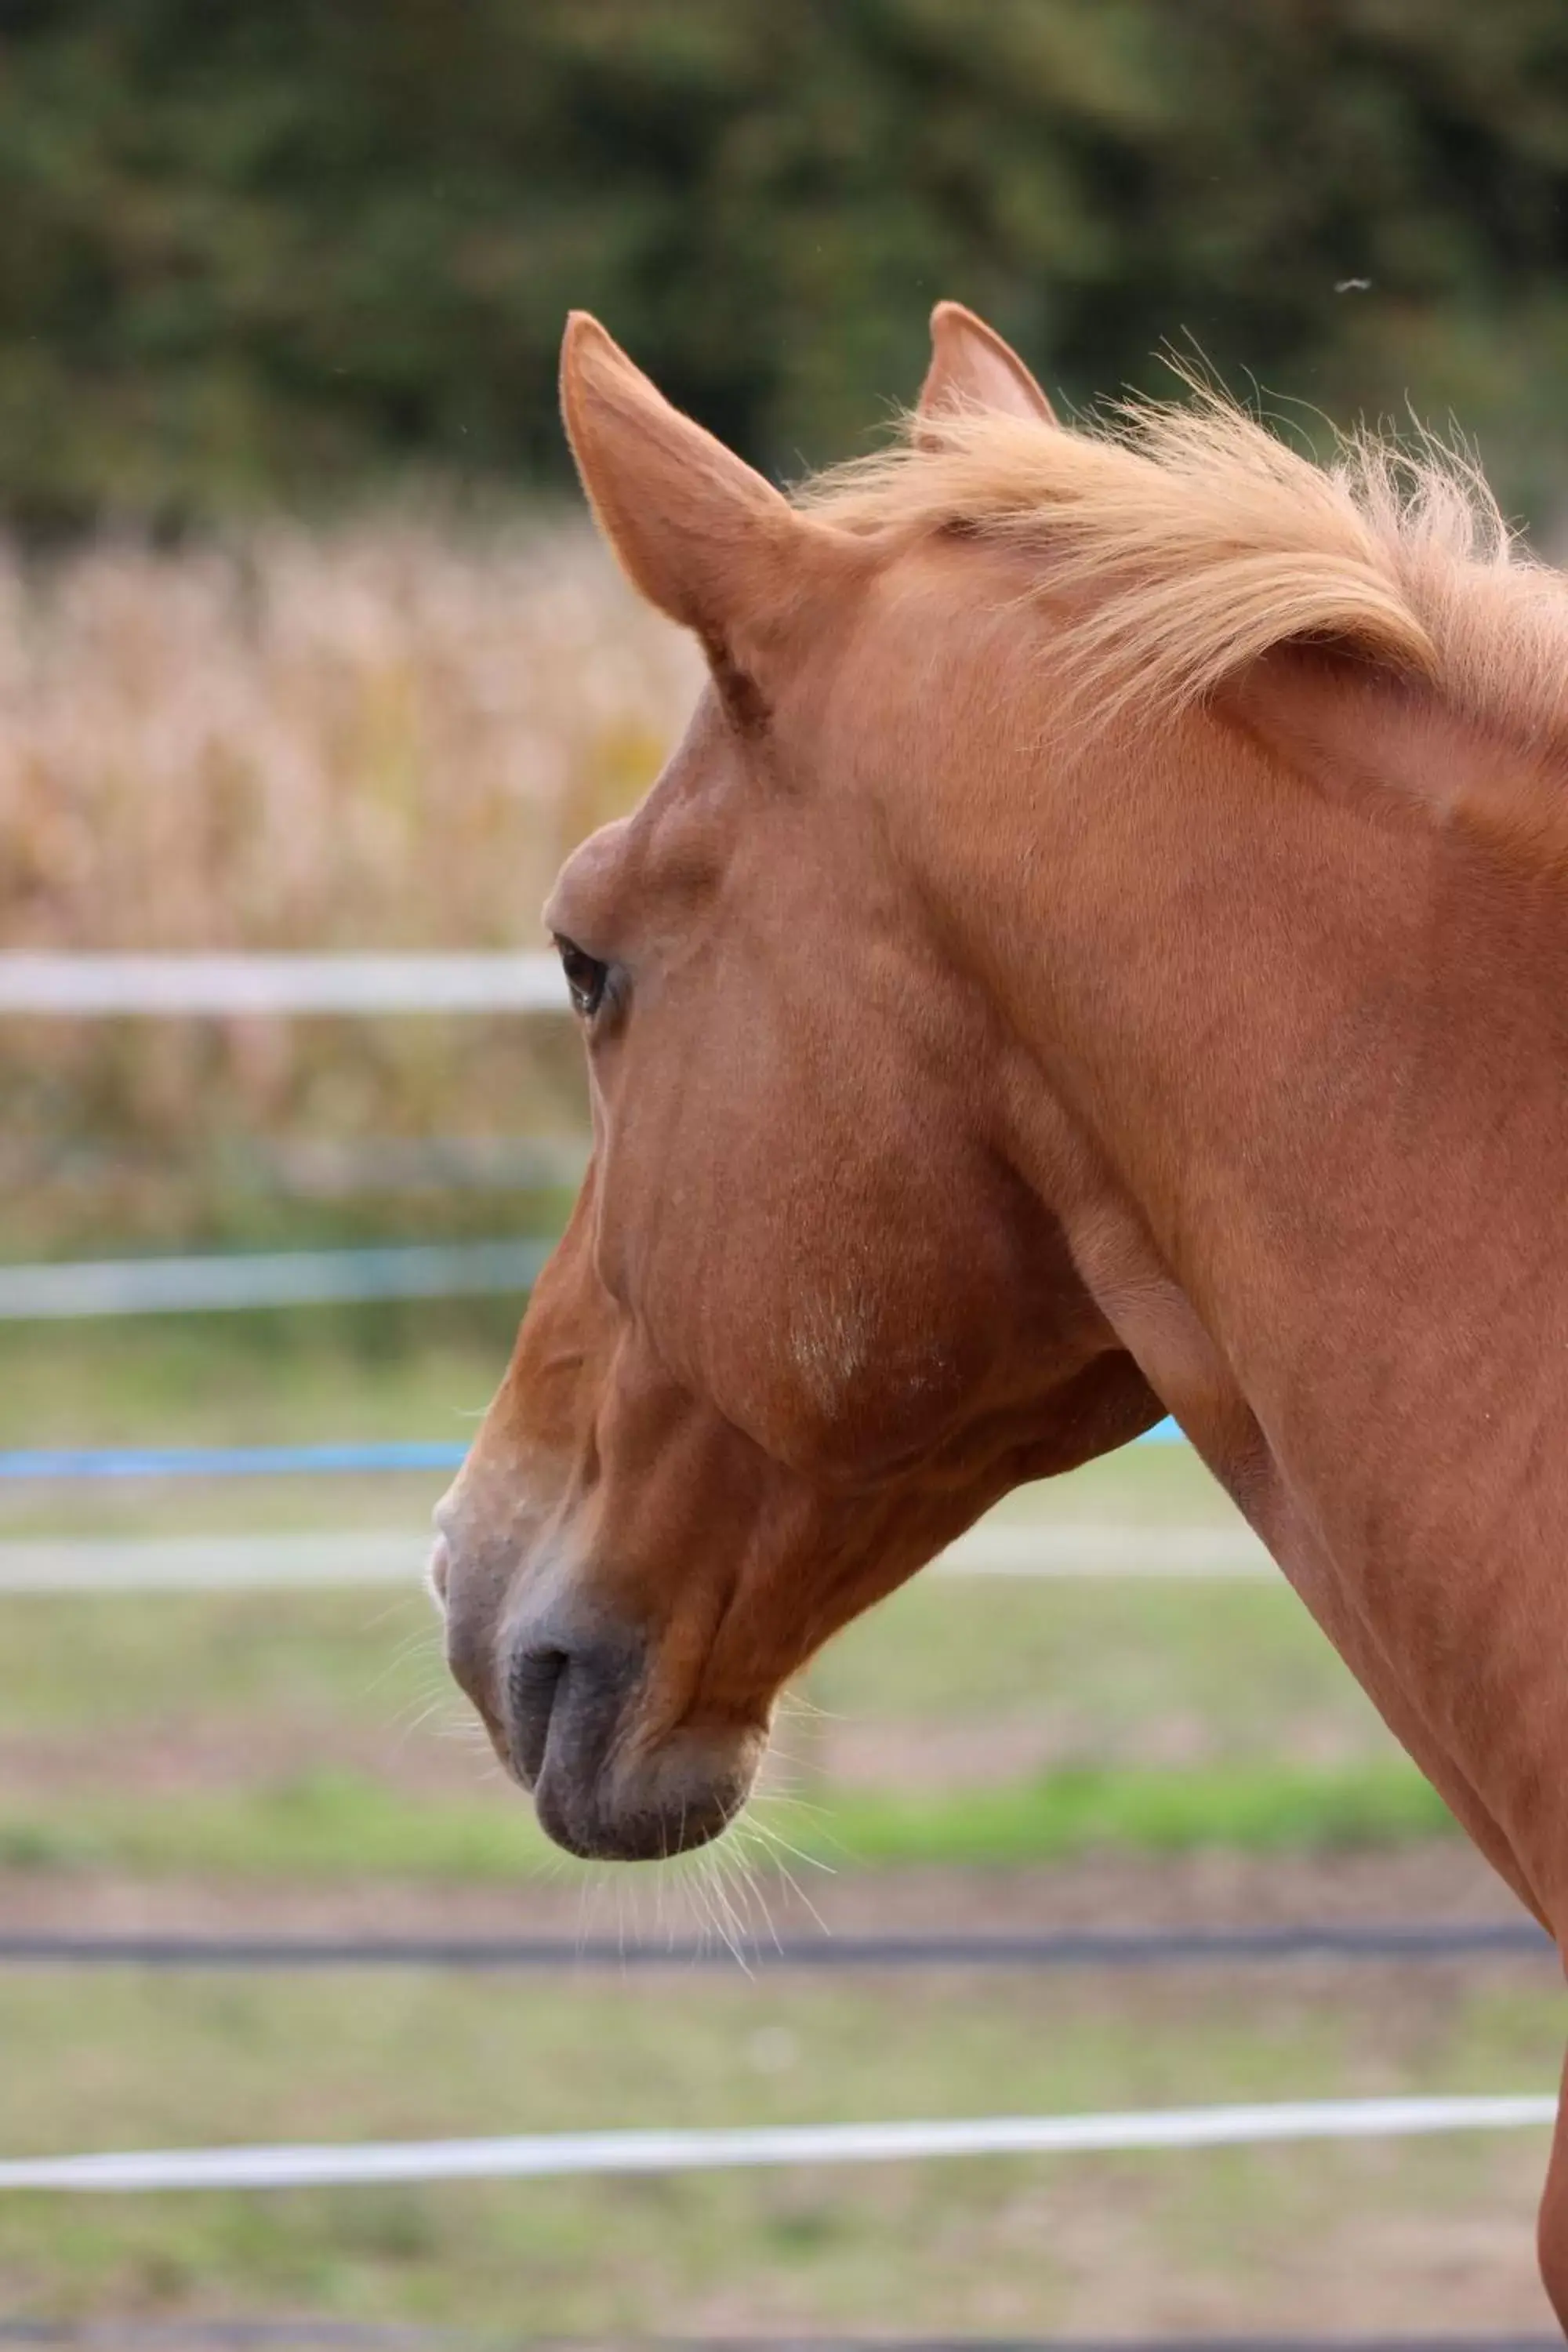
(809, 1317)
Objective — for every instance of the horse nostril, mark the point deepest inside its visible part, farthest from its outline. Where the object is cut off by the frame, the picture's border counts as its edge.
(532, 1690)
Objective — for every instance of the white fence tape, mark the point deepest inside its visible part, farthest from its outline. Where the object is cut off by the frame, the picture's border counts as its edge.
(210, 1563)
(83, 1287)
(1069, 1547)
(78, 986)
(552, 2155)
(398, 1556)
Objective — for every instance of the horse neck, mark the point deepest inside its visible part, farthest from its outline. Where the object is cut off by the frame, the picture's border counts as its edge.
(1316, 1044)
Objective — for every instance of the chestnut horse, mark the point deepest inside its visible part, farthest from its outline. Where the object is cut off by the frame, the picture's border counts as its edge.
(1100, 950)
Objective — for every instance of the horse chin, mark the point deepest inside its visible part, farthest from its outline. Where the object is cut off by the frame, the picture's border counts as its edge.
(649, 1803)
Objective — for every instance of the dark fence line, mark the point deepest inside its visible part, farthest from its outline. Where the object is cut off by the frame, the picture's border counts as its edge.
(1097, 1948)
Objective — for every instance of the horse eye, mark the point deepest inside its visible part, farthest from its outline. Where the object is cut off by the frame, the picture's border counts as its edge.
(585, 977)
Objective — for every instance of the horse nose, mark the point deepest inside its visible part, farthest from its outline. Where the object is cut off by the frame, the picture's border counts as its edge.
(438, 1573)
(439, 1570)
(576, 1739)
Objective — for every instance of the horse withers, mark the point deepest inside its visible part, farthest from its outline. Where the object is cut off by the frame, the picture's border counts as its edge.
(1100, 950)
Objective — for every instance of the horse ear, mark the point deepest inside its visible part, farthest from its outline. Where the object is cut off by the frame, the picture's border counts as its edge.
(702, 535)
(972, 367)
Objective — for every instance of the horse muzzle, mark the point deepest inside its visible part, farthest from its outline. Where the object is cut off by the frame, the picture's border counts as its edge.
(570, 1713)
(600, 1788)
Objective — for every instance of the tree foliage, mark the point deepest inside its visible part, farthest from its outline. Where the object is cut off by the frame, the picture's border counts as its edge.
(252, 252)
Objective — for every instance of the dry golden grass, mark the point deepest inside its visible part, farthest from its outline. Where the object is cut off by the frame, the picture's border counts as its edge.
(383, 736)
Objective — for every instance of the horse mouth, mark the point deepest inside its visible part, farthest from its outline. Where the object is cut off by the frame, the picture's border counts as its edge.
(572, 1737)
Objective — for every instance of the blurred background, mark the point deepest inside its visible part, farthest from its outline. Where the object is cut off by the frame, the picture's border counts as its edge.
(304, 644)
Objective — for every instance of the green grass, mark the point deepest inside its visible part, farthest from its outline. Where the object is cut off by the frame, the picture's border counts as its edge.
(1139, 1670)
(1265, 1809)
(297, 1668)
(398, 1369)
(336, 1824)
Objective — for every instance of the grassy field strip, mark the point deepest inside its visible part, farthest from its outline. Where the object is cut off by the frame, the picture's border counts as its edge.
(543, 2155)
(340, 1825)
(232, 1562)
(1090, 1547)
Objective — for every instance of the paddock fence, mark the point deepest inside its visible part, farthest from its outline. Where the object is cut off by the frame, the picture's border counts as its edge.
(1102, 1950)
(553, 2156)
(227, 987)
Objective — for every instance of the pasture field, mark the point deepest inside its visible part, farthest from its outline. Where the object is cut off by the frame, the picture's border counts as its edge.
(978, 1752)
(1434, 2234)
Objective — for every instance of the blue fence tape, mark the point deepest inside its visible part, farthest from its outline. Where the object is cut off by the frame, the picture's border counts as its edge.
(70, 1463)
(73, 1462)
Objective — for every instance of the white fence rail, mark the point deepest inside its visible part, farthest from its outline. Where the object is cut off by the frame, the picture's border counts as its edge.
(225, 1563)
(81, 1288)
(552, 2155)
(90, 1287)
(95, 986)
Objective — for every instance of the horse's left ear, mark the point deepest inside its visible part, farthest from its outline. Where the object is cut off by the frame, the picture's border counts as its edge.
(702, 535)
(972, 367)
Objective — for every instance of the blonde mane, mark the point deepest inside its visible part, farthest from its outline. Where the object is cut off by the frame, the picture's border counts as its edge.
(1189, 539)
